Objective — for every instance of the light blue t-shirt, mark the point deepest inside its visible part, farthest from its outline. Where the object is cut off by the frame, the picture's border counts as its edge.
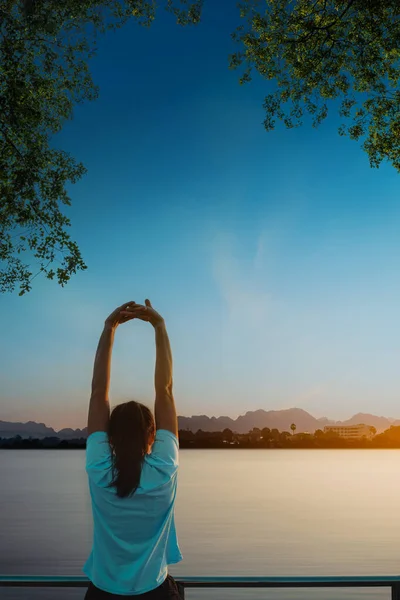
(134, 538)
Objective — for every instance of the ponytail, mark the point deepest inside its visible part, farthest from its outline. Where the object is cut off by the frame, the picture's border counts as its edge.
(131, 432)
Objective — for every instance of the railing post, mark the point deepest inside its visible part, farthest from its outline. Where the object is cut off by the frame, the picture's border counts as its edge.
(181, 590)
(396, 591)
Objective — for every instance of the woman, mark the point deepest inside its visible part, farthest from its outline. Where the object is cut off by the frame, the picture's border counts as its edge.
(132, 464)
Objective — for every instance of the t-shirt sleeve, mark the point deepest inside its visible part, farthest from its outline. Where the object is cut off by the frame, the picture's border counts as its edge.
(98, 456)
(164, 455)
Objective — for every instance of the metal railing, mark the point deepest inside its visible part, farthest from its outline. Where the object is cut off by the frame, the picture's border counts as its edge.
(224, 582)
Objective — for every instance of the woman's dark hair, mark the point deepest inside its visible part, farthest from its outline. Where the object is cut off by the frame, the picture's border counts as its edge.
(131, 432)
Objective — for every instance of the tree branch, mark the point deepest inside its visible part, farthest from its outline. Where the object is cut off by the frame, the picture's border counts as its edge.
(315, 28)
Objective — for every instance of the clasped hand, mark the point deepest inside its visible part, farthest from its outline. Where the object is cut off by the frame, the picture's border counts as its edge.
(132, 310)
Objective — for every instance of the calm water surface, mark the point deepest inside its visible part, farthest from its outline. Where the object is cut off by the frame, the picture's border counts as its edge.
(239, 512)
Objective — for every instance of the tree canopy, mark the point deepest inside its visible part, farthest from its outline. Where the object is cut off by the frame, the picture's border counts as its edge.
(321, 50)
(45, 47)
(314, 51)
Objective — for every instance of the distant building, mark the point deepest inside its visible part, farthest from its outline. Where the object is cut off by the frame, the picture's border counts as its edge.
(354, 432)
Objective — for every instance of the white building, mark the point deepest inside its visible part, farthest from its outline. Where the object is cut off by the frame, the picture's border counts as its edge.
(354, 432)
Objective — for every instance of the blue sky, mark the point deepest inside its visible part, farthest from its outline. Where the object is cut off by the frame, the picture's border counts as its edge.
(273, 257)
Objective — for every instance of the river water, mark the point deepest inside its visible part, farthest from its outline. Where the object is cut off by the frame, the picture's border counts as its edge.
(239, 512)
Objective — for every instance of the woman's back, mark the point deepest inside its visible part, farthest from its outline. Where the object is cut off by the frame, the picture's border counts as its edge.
(134, 537)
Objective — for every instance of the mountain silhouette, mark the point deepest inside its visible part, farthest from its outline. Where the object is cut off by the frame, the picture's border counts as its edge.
(70, 434)
(29, 429)
(380, 423)
(274, 419)
(281, 420)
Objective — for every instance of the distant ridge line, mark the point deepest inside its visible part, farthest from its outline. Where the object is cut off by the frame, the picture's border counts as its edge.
(274, 419)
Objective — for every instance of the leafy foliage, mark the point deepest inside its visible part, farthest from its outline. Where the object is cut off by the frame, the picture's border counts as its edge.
(315, 51)
(321, 50)
(45, 47)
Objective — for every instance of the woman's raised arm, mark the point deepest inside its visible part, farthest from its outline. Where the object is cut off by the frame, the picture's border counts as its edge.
(99, 406)
(165, 411)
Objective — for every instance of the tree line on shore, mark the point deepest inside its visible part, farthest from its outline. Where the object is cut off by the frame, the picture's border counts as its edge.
(256, 438)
